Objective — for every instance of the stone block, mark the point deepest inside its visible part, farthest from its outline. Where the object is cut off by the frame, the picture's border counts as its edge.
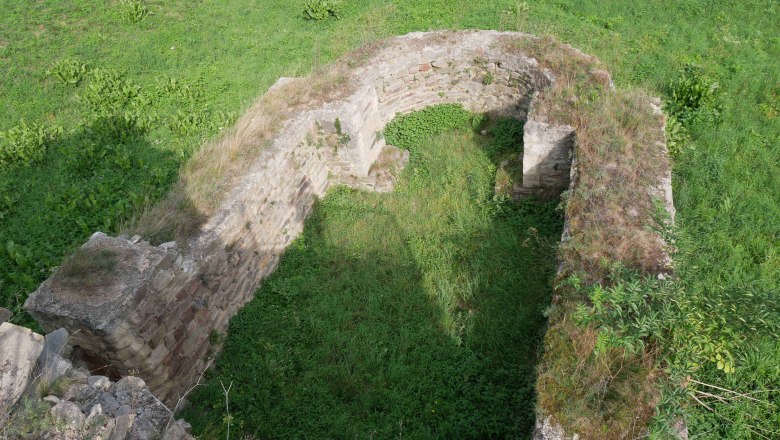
(69, 413)
(53, 366)
(122, 428)
(19, 351)
(5, 315)
(99, 382)
(545, 146)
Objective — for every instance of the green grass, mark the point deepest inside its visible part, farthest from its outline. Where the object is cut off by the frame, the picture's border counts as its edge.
(416, 313)
(724, 176)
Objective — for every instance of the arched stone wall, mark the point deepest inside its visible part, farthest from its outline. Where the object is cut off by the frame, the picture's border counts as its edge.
(154, 314)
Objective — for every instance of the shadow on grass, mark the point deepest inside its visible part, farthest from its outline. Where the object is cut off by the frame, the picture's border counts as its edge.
(91, 179)
(417, 314)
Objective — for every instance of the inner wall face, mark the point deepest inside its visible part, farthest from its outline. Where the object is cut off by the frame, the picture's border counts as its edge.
(157, 317)
(416, 312)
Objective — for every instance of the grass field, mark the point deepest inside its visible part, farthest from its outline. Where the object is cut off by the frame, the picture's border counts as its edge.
(189, 67)
(416, 313)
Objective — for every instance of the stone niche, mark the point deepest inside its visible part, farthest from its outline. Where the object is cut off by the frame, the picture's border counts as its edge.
(155, 312)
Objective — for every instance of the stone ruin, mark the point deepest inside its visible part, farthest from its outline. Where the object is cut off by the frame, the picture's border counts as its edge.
(43, 396)
(156, 312)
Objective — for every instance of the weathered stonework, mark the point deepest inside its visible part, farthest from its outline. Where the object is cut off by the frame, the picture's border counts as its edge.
(36, 382)
(547, 151)
(155, 313)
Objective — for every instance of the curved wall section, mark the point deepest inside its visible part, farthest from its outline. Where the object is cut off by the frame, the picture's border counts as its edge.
(153, 316)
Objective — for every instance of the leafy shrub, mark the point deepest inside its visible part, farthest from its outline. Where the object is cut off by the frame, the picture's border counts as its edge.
(677, 137)
(68, 71)
(693, 97)
(184, 91)
(25, 144)
(321, 9)
(507, 135)
(199, 122)
(636, 314)
(133, 11)
(101, 145)
(109, 95)
(405, 131)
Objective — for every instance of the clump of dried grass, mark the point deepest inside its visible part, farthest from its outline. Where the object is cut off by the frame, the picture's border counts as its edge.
(88, 268)
(611, 212)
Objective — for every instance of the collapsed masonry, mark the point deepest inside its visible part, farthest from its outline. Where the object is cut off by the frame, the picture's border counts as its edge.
(42, 395)
(155, 312)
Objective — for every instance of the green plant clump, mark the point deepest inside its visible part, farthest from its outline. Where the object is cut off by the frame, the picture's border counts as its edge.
(321, 9)
(694, 98)
(25, 144)
(406, 130)
(68, 71)
(133, 11)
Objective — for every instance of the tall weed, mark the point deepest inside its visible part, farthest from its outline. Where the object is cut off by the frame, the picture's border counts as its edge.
(68, 71)
(26, 144)
(133, 11)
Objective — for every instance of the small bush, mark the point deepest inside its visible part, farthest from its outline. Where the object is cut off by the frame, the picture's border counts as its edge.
(405, 131)
(202, 121)
(109, 94)
(25, 144)
(133, 11)
(68, 71)
(321, 9)
(507, 136)
(693, 97)
(677, 137)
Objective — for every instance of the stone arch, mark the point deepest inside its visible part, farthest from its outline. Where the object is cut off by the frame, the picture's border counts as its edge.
(154, 314)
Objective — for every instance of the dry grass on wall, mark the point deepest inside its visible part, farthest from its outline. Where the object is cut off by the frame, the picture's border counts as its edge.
(207, 178)
(613, 221)
(620, 154)
(612, 215)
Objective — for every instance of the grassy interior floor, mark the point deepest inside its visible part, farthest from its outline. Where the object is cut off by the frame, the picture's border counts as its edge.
(416, 313)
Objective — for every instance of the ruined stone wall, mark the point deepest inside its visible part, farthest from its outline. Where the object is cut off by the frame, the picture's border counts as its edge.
(39, 385)
(155, 313)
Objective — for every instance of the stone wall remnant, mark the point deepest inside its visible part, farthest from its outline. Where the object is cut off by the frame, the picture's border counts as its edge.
(66, 403)
(155, 313)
